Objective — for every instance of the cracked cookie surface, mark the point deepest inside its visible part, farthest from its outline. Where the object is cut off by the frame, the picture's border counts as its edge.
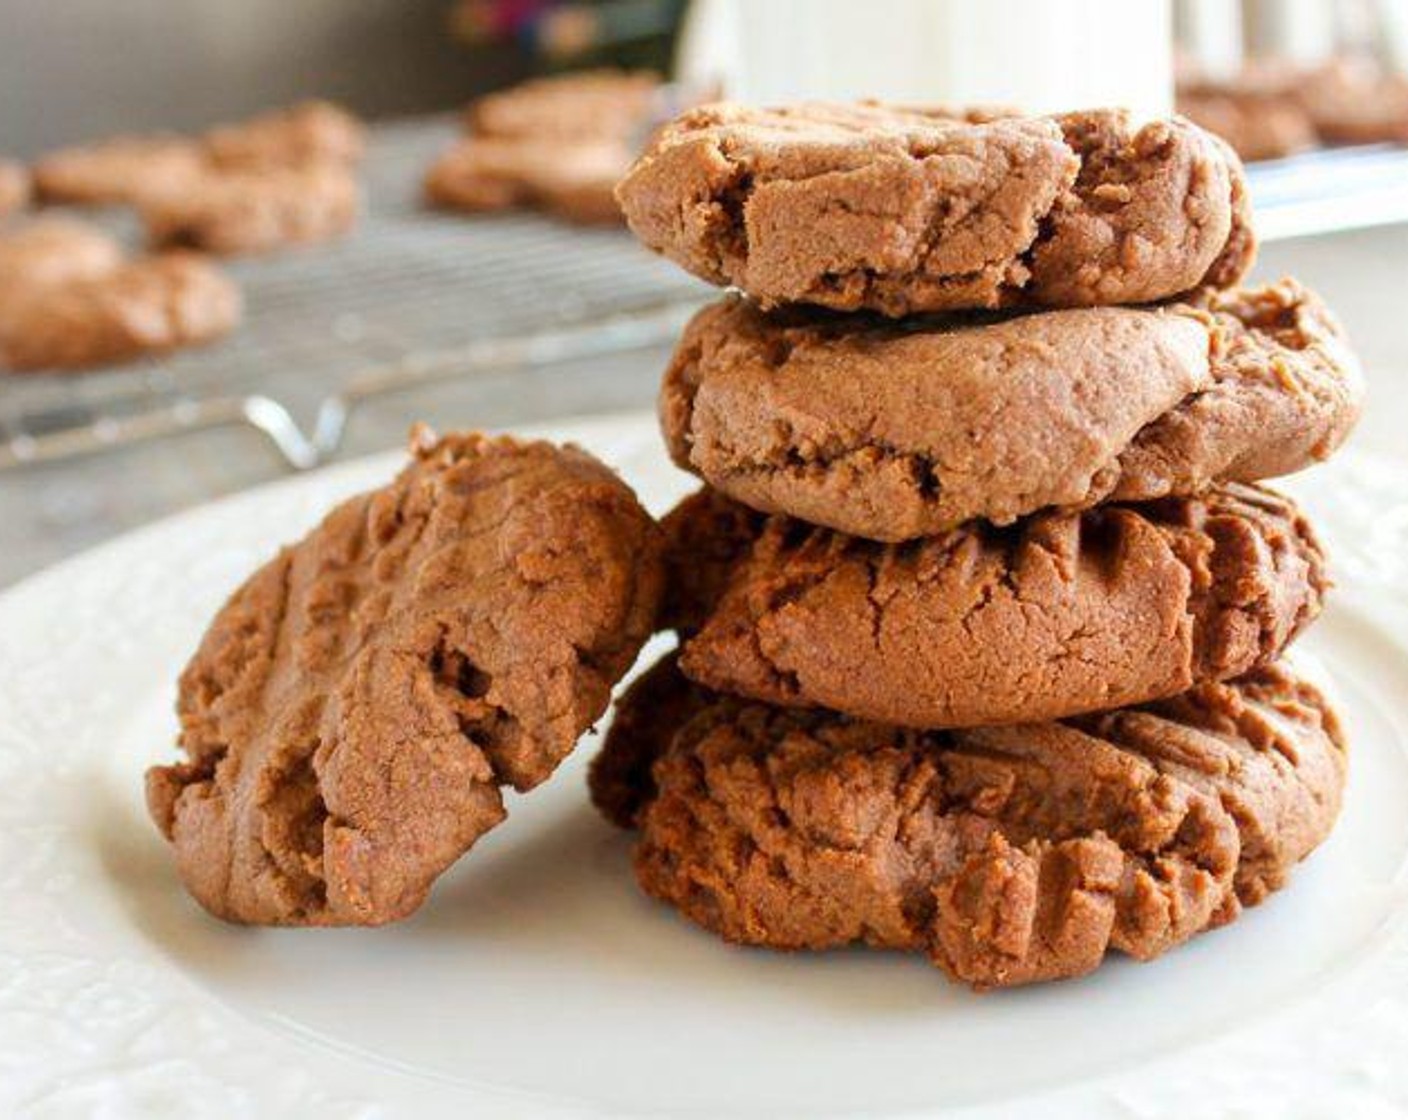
(1009, 855)
(901, 210)
(892, 431)
(356, 706)
(1055, 615)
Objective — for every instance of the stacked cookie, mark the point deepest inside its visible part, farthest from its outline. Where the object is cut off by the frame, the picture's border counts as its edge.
(982, 609)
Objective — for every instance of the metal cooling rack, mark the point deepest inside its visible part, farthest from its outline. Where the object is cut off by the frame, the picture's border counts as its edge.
(411, 297)
(416, 296)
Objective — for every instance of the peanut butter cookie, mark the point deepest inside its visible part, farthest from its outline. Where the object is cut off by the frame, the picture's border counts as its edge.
(1009, 855)
(355, 708)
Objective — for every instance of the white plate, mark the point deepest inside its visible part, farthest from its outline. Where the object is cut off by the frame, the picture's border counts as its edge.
(536, 981)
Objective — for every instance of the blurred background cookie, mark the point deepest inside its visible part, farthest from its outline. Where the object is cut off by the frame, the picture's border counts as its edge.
(121, 170)
(50, 250)
(15, 187)
(254, 209)
(309, 132)
(146, 306)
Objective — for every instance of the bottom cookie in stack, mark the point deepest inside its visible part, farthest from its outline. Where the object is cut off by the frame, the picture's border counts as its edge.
(1006, 854)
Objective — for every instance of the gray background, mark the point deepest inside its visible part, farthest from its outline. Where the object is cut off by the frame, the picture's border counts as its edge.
(187, 63)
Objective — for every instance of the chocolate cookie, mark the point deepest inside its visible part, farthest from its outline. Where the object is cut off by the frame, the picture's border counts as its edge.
(892, 431)
(586, 105)
(148, 306)
(1056, 615)
(14, 187)
(356, 706)
(255, 210)
(50, 251)
(573, 180)
(308, 133)
(124, 170)
(897, 210)
(1008, 854)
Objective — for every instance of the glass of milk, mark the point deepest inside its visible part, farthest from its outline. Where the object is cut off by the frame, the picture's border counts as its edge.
(1035, 55)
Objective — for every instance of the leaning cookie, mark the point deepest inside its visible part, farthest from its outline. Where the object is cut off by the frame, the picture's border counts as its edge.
(149, 306)
(1053, 616)
(357, 706)
(1009, 855)
(899, 210)
(893, 431)
(573, 180)
(255, 210)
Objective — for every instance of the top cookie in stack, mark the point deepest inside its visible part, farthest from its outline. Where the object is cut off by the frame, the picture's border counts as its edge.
(983, 432)
(902, 210)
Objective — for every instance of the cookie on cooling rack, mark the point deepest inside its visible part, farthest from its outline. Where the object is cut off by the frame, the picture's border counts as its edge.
(121, 170)
(147, 306)
(587, 105)
(15, 187)
(571, 180)
(255, 209)
(47, 251)
(311, 132)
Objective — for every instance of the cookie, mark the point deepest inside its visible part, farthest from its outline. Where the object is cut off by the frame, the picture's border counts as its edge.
(255, 210)
(1055, 615)
(643, 722)
(49, 251)
(893, 431)
(572, 180)
(357, 705)
(148, 306)
(14, 187)
(901, 211)
(587, 105)
(1009, 855)
(1352, 101)
(1258, 125)
(311, 132)
(123, 170)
